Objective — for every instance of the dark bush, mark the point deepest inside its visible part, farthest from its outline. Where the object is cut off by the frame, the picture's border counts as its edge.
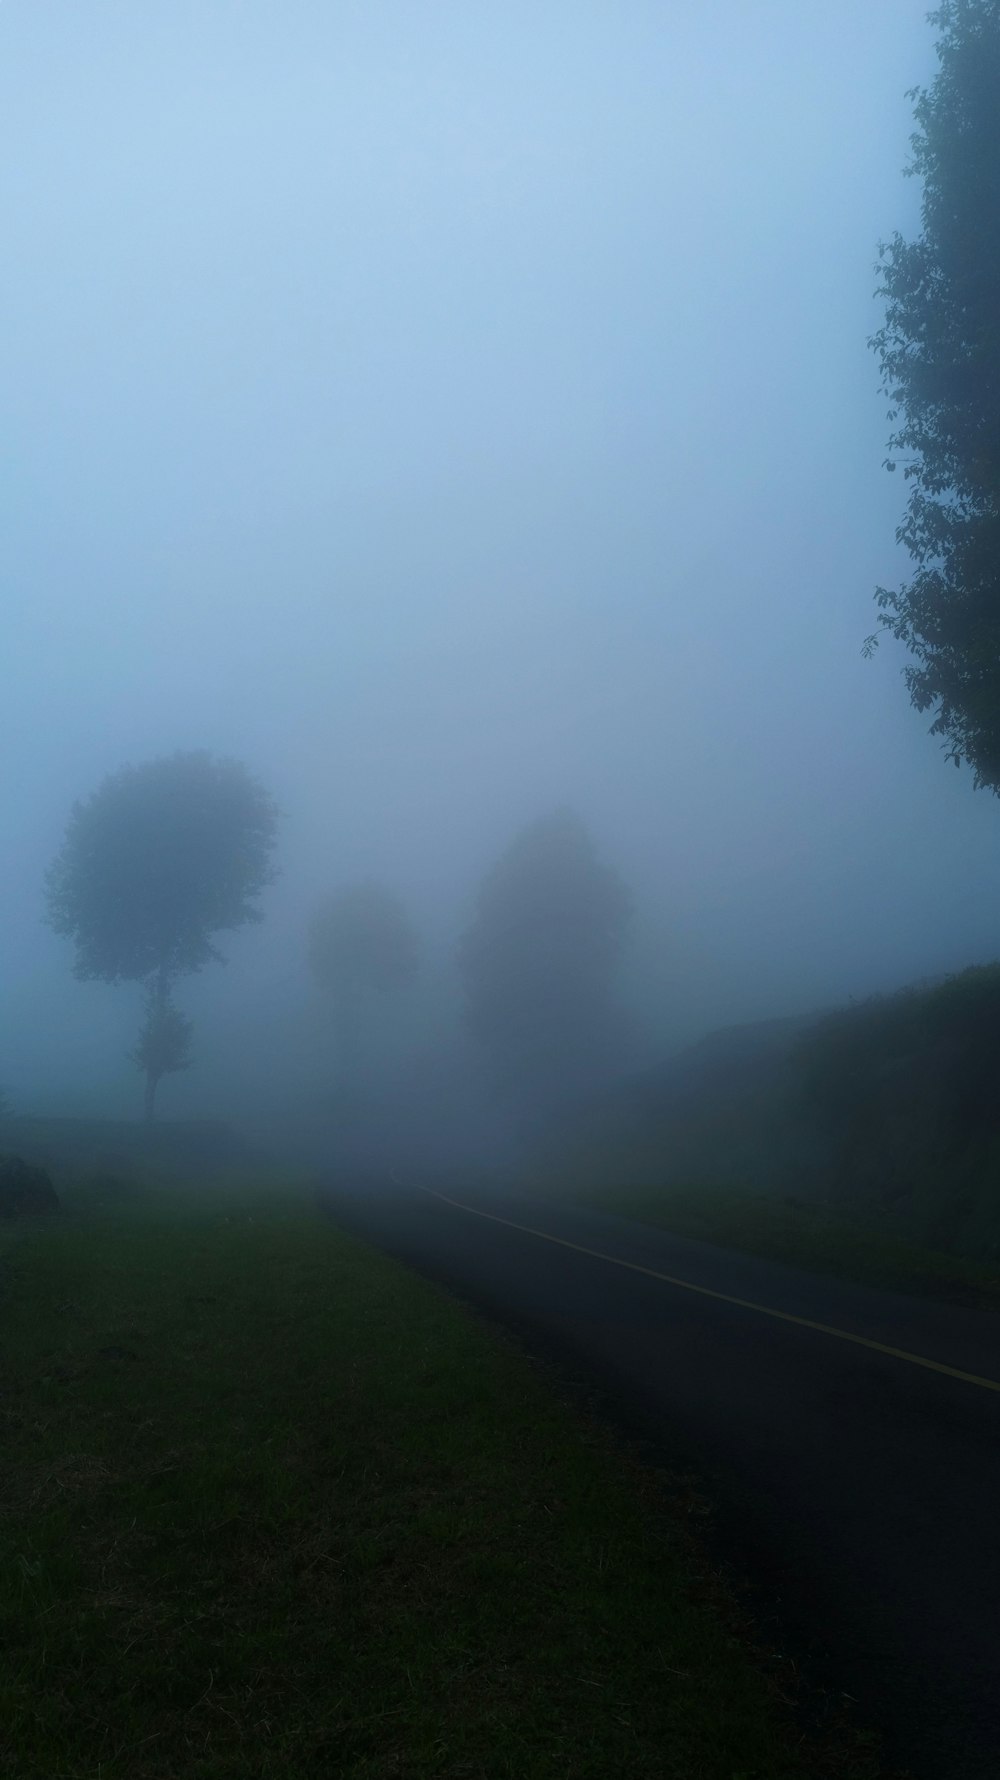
(24, 1189)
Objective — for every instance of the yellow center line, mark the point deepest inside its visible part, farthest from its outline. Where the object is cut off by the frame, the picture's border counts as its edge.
(685, 1285)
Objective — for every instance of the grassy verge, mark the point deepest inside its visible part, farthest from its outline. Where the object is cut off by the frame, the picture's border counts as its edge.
(803, 1236)
(270, 1506)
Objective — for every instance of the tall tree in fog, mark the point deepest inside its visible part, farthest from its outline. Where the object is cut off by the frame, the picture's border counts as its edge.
(154, 864)
(539, 962)
(360, 943)
(939, 352)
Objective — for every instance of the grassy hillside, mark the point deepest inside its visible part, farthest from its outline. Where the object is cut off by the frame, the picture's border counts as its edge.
(270, 1506)
(904, 1093)
(866, 1141)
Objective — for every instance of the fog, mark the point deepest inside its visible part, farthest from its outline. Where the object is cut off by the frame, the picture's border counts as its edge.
(456, 413)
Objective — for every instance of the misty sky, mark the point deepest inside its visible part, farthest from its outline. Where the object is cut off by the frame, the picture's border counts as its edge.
(456, 410)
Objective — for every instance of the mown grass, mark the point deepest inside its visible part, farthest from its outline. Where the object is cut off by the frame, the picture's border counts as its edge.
(270, 1506)
(803, 1235)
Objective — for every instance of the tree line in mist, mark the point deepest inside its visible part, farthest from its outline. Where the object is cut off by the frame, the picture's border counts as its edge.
(164, 857)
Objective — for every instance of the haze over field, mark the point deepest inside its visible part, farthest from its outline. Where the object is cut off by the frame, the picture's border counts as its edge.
(456, 413)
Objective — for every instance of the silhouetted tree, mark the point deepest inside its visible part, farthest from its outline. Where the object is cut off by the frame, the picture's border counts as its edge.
(538, 964)
(156, 862)
(360, 942)
(939, 352)
(164, 1045)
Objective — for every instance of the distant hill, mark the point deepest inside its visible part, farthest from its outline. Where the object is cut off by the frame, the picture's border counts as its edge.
(720, 1111)
(887, 1108)
(732, 1060)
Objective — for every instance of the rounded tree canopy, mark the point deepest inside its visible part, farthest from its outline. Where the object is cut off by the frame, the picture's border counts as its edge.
(360, 938)
(161, 857)
(539, 959)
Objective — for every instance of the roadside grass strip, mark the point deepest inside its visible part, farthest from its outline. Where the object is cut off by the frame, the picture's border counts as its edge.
(272, 1506)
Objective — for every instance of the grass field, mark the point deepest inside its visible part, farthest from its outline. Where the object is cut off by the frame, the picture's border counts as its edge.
(270, 1506)
(802, 1235)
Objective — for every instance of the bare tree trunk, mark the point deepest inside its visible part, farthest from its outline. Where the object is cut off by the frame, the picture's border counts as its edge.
(152, 1078)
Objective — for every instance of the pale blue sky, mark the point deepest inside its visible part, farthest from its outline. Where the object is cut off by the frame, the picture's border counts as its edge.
(452, 410)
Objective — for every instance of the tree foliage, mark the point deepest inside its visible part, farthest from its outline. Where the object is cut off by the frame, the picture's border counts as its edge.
(939, 352)
(539, 961)
(156, 862)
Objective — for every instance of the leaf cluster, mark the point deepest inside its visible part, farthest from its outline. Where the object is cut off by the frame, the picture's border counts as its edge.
(159, 859)
(939, 352)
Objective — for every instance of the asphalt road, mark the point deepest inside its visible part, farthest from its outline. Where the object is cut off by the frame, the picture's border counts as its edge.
(857, 1489)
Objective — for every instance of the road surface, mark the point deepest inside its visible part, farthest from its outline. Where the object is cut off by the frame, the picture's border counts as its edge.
(850, 1437)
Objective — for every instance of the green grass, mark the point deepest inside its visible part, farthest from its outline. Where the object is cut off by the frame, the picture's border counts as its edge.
(802, 1235)
(271, 1506)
